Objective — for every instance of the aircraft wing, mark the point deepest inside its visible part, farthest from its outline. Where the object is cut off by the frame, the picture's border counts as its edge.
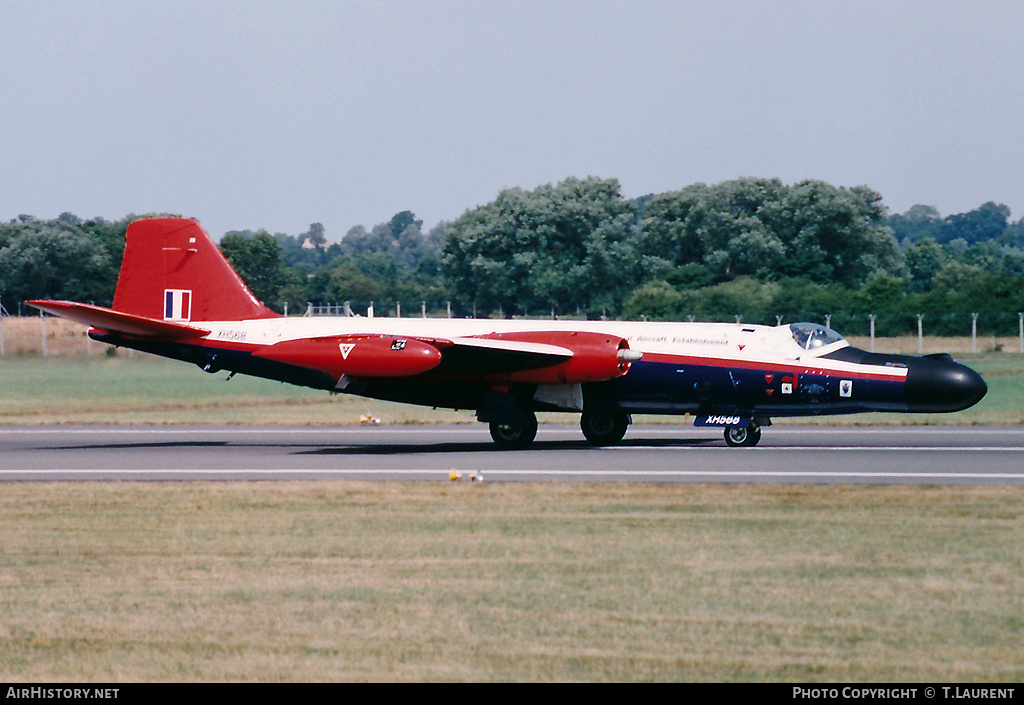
(114, 321)
(482, 356)
(556, 357)
(374, 355)
(538, 357)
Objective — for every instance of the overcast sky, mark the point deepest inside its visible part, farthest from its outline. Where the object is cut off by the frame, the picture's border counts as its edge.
(277, 114)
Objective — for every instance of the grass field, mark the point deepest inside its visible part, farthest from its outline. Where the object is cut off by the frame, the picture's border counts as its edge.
(327, 581)
(341, 581)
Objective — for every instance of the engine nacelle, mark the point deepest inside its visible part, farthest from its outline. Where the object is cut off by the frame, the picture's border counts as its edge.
(596, 357)
(357, 356)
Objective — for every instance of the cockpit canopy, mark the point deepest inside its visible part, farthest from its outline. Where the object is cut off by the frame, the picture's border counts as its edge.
(810, 336)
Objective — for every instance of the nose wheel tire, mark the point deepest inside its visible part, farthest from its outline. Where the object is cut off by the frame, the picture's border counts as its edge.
(604, 428)
(514, 436)
(743, 436)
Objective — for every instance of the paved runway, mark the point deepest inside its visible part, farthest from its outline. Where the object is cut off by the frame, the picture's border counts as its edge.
(649, 453)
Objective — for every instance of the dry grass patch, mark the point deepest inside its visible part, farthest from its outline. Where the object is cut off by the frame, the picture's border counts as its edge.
(36, 335)
(147, 389)
(954, 345)
(409, 581)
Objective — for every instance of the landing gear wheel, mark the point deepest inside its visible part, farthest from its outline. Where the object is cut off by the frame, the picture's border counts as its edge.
(743, 436)
(514, 436)
(604, 428)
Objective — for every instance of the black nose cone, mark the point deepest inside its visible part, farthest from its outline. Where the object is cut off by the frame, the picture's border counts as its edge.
(935, 383)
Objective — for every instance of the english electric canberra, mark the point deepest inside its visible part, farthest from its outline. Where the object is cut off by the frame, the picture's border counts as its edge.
(179, 298)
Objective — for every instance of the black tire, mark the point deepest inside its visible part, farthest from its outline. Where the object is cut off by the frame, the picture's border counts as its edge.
(743, 436)
(512, 436)
(604, 428)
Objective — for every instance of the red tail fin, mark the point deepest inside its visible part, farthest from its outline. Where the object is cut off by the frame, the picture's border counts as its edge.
(172, 271)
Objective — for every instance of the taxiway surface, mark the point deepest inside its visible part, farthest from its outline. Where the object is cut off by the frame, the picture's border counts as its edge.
(649, 453)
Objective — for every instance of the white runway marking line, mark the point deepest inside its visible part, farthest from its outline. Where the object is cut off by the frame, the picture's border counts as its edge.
(769, 449)
(643, 429)
(236, 431)
(492, 474)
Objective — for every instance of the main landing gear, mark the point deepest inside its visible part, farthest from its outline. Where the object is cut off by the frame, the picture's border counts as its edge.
(514, 435)
(604, 428)
(601, 428)
(743, 436)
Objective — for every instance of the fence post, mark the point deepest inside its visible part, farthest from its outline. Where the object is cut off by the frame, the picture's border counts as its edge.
(974, 332)
(872, 319)
(920, 334)
(1020, 330)
(43, 317)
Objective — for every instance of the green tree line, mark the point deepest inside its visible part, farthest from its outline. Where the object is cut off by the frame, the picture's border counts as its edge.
(750, 247)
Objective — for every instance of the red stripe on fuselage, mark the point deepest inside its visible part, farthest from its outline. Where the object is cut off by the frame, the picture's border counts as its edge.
(882, 374)
(863, 372)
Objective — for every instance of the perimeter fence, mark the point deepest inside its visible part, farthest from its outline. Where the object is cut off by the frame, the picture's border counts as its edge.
(986, 331)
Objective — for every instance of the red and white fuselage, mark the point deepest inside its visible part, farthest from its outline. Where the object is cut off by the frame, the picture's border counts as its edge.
(178, 297)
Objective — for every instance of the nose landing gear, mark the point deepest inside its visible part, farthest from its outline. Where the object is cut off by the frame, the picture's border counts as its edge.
(743, 436)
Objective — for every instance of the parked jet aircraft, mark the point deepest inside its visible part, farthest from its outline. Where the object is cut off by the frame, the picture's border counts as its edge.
(179, 298)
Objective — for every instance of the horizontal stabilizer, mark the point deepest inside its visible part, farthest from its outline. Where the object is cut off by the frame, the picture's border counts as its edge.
(114, 321)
